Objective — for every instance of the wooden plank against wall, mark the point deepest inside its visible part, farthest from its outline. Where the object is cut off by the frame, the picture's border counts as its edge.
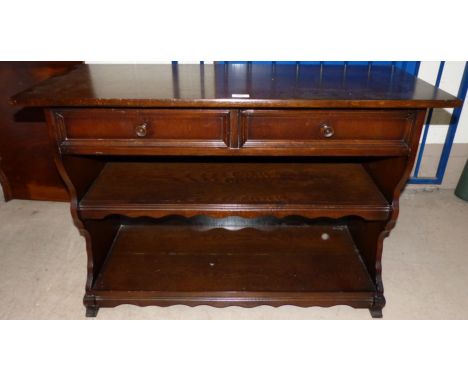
(27, 170)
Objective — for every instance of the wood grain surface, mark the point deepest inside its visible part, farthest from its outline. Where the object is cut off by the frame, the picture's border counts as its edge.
(216, 85)
(27, 169)
(280, 259)
(243, 189)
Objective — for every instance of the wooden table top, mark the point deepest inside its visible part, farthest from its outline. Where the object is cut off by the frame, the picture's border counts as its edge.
(236, 85)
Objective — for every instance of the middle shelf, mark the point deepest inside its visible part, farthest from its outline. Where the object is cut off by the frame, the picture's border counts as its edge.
(156, 189)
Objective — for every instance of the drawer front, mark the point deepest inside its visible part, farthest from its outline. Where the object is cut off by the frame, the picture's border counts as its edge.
(290, 128)
(162, 128)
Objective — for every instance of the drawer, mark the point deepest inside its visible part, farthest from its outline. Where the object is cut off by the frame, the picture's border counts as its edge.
(318, 128)
(161, 128)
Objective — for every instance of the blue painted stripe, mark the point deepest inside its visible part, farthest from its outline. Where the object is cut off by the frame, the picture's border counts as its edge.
(416, 68)
(423, 181)
(428, 123)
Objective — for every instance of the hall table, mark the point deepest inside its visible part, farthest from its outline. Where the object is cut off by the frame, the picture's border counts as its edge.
(235, 184)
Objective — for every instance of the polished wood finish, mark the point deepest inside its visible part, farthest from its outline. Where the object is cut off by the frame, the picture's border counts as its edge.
(319, 128)
(245, 189)
(27, 170)
(163, 128)
(297, 258)
(186, 195)
(214, 131)
(198, 132)
(233, 265)
(213, 86)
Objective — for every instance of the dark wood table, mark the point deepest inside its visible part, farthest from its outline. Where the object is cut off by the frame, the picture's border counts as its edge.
(235, 184)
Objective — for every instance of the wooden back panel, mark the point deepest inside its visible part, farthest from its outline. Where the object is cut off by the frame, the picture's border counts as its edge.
(27, 169)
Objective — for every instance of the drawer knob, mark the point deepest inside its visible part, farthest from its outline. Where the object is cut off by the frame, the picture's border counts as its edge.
(327, 131)
(141, 130)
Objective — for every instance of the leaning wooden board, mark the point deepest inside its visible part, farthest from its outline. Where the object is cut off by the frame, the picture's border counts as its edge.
(27, 169)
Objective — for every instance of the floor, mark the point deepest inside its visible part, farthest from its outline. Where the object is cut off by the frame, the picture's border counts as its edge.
(425, 267)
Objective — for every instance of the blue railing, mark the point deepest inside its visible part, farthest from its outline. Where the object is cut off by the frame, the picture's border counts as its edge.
(411, 67)
(452, 129)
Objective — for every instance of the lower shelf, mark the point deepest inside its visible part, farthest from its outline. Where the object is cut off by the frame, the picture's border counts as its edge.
(217, 266)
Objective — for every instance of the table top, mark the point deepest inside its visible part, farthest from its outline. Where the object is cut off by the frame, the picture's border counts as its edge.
(245, 85)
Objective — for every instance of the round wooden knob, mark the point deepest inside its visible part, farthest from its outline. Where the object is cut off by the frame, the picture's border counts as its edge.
(141, 130)
(327, 131)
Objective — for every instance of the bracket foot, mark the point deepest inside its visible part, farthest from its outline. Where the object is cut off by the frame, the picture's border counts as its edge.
(376, 308)
(92, 311)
